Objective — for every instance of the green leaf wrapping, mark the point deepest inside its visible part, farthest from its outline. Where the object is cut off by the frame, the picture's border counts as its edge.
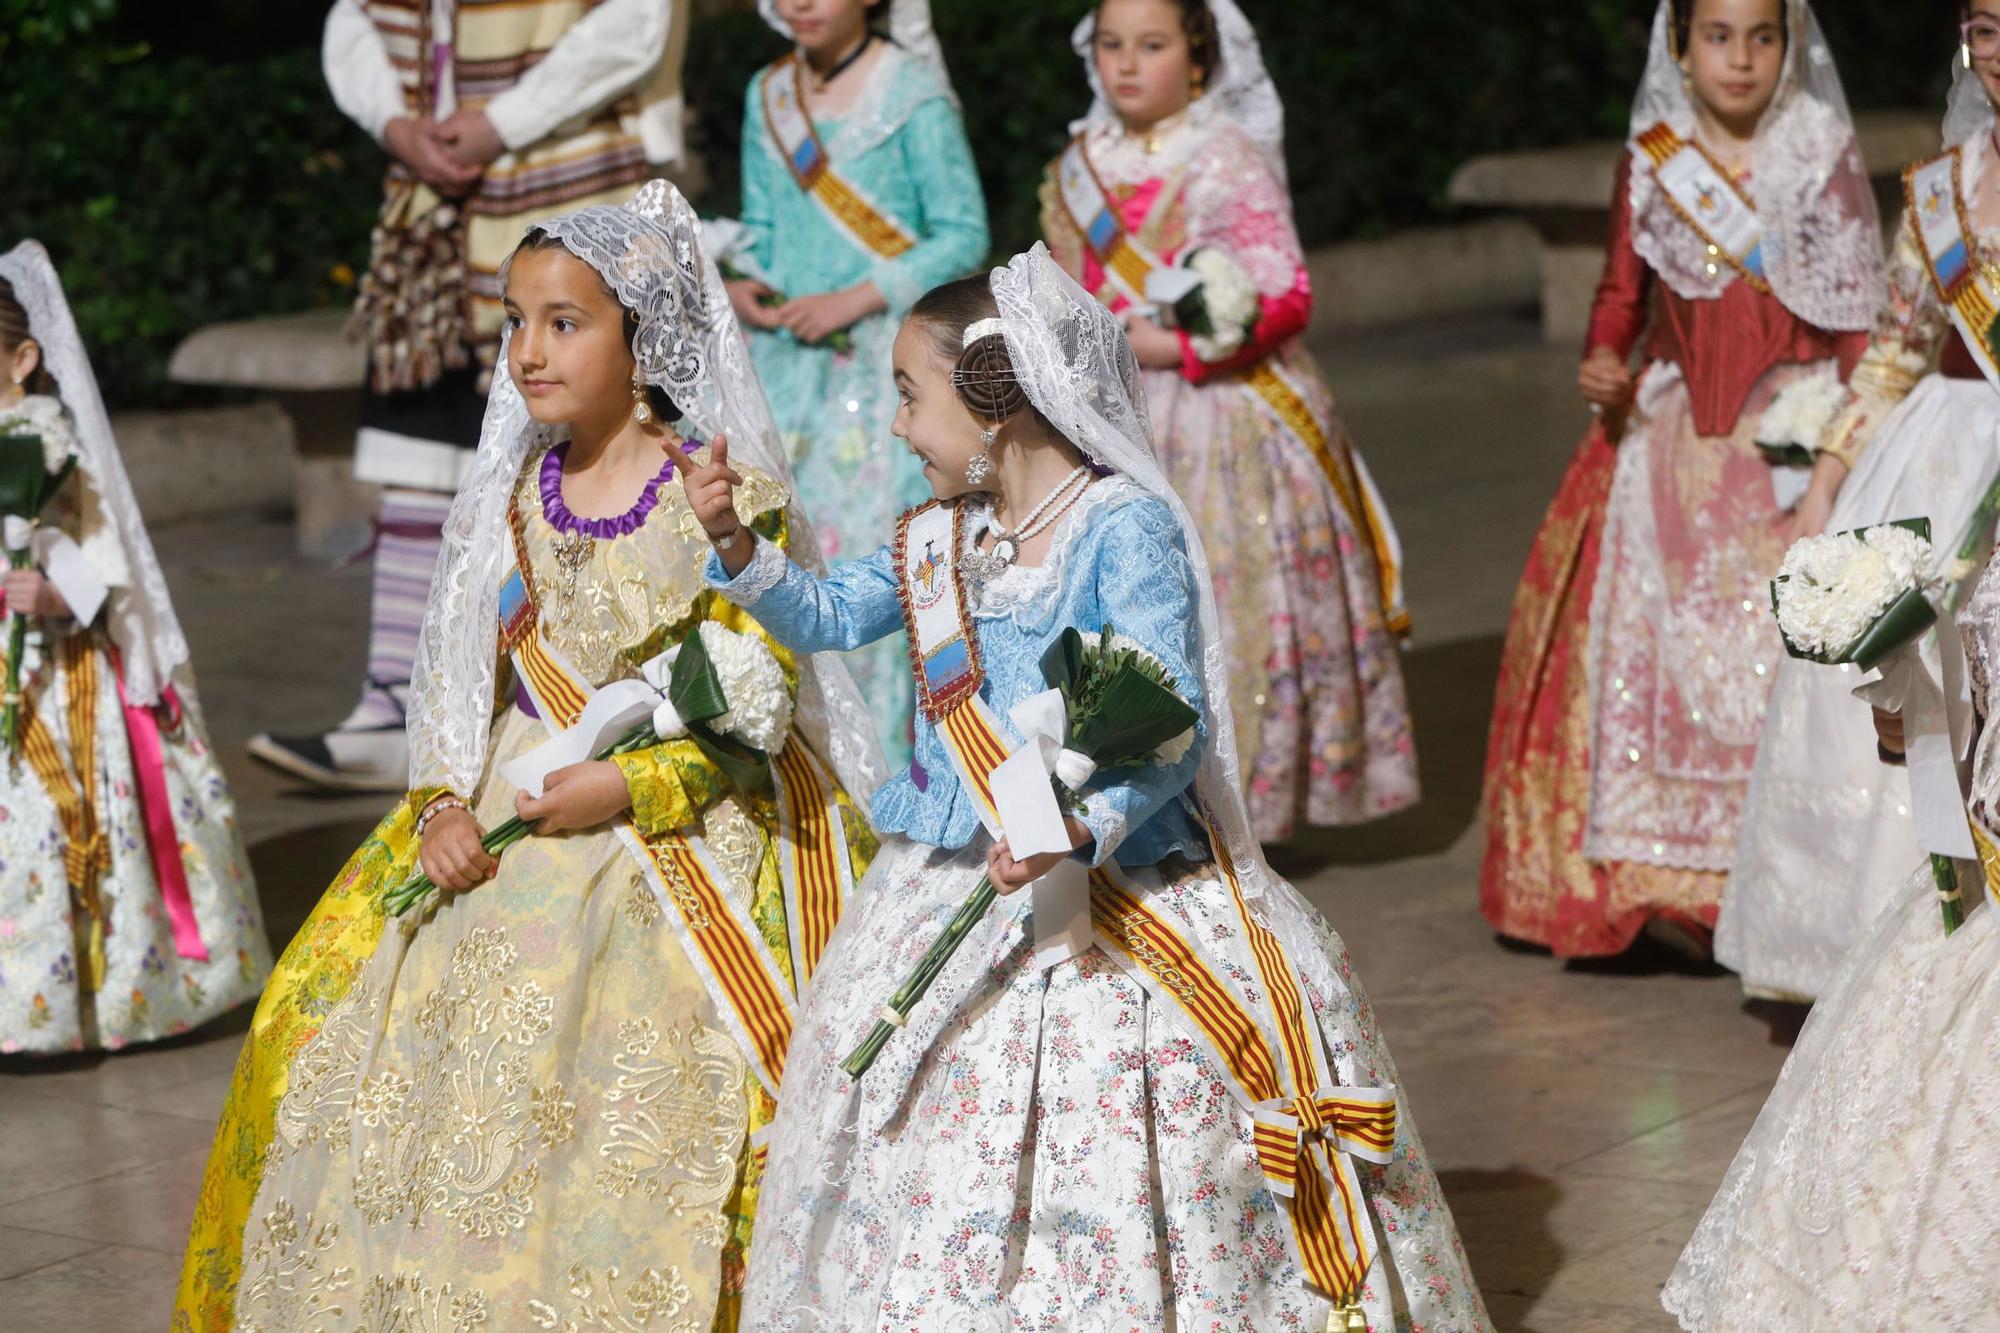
(1134, 715)
(1786, 455)
(1898, 625)
(693, 685)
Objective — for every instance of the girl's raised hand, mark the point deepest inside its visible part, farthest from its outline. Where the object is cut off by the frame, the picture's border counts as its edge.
(711, 491)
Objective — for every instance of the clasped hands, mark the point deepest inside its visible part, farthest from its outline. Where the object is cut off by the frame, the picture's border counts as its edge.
(581, 796)
(449, 155)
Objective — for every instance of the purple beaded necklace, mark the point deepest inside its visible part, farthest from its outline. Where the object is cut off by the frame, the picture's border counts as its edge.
(564, 521)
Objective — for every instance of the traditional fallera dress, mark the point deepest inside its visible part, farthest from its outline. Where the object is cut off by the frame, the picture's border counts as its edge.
(887, 192)
(1641, 646)
(127, 909)
(1062, 1137)
(1829, 830)
(532, 1103)
(1307, 564)
(1860, 1197)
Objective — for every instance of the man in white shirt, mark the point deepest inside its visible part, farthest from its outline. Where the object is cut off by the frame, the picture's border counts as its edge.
(493, 115)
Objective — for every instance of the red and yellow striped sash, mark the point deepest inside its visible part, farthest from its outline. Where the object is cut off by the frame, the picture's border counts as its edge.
(815, 848)
(71, 782)
(972, 738)
(1352, 496)
(1294, 1115)
(557, 695)
(804, 155)
(762, 1010)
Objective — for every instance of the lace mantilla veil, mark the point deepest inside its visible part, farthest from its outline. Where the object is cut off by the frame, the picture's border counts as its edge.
(1239, 88)
(1822, 236)
(142, 621)
(1072, 360)
(909, 27)
(688, 343)
(1968, 111)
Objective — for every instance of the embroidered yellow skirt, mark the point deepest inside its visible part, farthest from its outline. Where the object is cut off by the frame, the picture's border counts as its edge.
(523, 1103)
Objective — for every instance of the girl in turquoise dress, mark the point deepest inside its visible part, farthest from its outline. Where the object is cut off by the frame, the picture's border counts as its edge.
(859, 194)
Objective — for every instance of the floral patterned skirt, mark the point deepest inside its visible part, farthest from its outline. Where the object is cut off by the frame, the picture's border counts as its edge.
(147, 989)
(1316, 681)
(1535, 883)
(1050, 1150)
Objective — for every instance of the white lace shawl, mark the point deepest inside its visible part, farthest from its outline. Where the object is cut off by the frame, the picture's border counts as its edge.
(1821, 232)
(688, 343)
(141, 616)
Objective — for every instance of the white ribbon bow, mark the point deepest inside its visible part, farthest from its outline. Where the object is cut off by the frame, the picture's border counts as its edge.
(62, 561)
(1937, 735)
(609, 717)
(1033, 821)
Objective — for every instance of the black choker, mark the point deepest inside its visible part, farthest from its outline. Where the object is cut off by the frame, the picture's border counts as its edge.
(820, 81)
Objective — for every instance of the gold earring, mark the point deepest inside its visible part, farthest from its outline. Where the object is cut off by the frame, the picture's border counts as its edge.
(642, 407)
(1965, 53)
(1197, 86)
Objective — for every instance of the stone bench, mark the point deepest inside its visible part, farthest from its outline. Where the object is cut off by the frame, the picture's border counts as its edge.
(305, 362)
(1565, 194)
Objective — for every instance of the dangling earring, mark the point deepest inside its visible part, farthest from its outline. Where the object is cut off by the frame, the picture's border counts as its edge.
(980, 469)
(1197, 85)
(1965, 53)
(642, 406)
(1687, 81)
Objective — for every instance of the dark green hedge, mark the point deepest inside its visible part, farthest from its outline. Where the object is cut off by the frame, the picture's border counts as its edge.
(176, 189)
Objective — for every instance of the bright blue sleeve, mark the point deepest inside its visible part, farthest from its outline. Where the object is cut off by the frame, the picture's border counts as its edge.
(952, 237)
(856, 604)
(1145, 590)
(754, 207)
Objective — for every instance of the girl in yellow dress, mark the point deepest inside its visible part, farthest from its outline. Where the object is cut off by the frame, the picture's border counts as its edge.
(530, 1102)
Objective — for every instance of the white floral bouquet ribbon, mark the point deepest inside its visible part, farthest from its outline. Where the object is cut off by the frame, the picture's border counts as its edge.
(612, 713)
(1033, 820)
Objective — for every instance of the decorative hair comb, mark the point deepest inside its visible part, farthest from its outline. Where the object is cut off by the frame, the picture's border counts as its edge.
(981, 328)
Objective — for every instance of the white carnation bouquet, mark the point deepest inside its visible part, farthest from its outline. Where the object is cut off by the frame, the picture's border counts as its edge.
(1792, 426)
(719, 688)
(1857, 596)
(1208, 295)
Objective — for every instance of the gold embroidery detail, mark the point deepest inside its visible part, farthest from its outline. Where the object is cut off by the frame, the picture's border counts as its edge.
(1164, 972)
(641, 908)
(737, 845)
(408, 1304)
(653, 1300)
(284, 1285)
(678, 1118)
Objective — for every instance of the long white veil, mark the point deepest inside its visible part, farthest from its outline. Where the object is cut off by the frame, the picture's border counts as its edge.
(1071, 358)
(649, 253)
(141, 618)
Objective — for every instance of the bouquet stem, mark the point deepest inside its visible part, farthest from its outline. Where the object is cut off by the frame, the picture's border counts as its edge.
(1944, 872)
(918, 985)
(17, 644)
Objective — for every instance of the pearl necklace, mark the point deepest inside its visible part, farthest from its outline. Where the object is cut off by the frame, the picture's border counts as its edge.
(1007, 545)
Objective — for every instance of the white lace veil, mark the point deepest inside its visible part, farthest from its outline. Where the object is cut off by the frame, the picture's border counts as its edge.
(688, 343)
(1239, 88)
(1968, 111)
(909, 26)
(141, 618)
(1822, 240)
(1072, 360)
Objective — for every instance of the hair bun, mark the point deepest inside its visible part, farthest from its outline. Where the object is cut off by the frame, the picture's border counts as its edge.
(984, 378)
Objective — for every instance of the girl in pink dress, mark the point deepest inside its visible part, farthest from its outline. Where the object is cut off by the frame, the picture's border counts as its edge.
(1177, 173)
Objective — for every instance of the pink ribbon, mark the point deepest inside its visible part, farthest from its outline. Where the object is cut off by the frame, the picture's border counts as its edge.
(142, 729)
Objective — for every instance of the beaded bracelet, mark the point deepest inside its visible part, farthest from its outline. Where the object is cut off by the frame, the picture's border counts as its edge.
(436, 808)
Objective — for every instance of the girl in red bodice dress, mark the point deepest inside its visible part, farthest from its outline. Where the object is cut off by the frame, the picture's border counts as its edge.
(1641, 649)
